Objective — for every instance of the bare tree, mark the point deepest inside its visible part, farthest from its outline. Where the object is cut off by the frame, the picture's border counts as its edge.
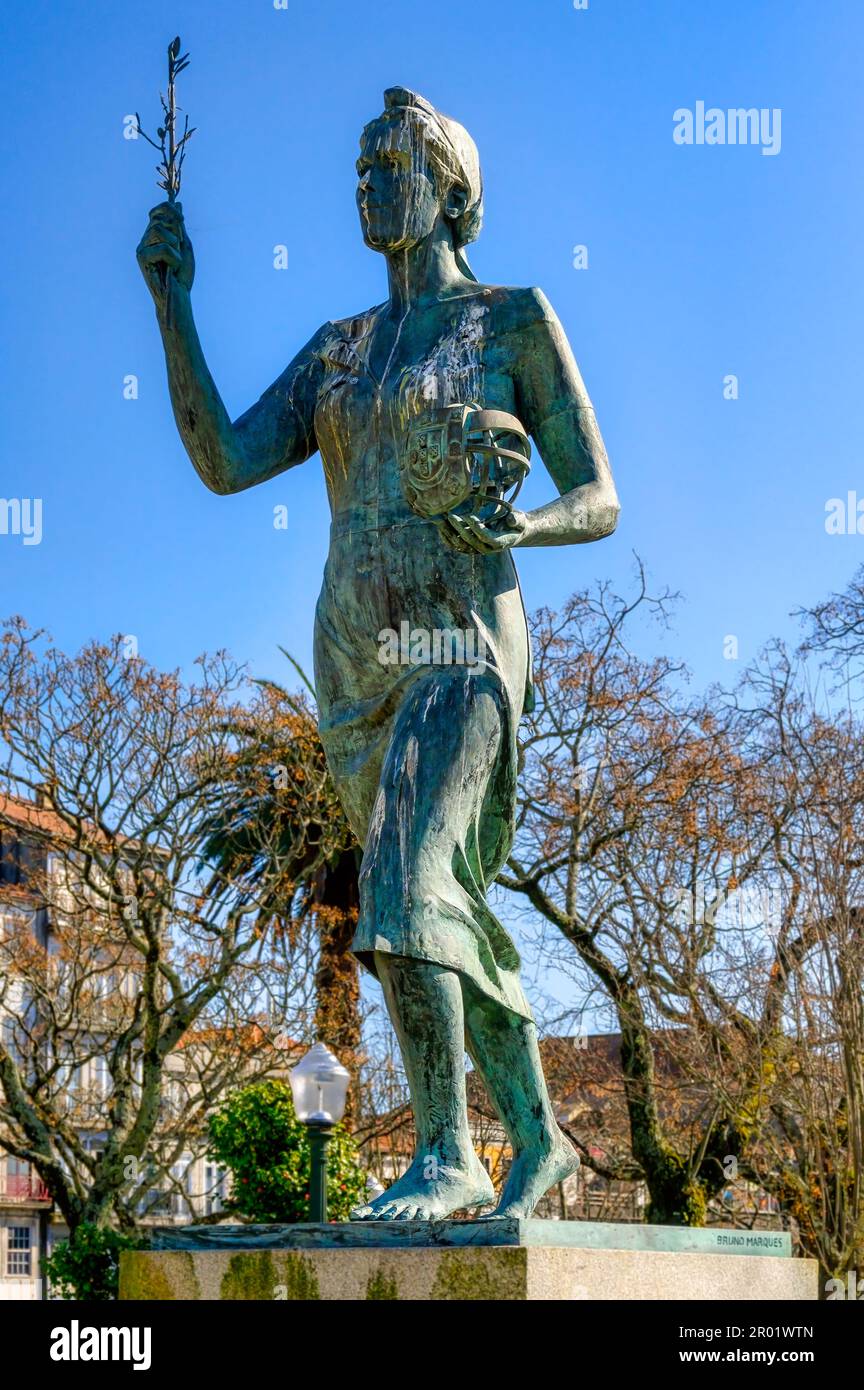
(635, 829)
(811, 1154)
(138, 982)
(835, 627)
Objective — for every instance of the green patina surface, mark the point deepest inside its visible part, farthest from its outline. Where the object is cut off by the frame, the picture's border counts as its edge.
(508, 1231)
(420, 732)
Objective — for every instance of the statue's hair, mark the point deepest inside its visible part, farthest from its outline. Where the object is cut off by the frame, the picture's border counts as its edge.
(451, 152)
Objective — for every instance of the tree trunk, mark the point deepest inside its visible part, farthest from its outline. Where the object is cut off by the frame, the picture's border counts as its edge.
(676, 1196)
(337, 983)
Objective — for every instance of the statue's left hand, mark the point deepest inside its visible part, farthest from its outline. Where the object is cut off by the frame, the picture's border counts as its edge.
(469, 533)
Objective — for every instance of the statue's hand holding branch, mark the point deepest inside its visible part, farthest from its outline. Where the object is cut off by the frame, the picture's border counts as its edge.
(273, 434)
(165, 253)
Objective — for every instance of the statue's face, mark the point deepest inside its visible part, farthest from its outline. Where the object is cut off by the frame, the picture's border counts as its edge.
(397, 196)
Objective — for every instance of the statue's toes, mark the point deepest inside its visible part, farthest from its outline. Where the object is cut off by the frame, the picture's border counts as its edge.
(388, 1212)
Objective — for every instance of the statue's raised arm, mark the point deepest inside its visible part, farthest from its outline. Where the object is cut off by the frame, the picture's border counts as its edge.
(277, 432)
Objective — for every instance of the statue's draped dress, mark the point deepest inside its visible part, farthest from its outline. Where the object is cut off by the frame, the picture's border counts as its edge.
(423, 755)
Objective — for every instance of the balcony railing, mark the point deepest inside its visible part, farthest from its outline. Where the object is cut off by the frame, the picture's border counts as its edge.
(19, 1187)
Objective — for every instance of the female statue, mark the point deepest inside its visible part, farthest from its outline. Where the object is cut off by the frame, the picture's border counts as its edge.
(423, 751)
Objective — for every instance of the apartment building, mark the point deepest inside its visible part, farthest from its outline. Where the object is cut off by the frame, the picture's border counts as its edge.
(29, 1222)
(24, 1202)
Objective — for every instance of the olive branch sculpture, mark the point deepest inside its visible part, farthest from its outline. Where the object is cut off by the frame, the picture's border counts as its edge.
(172, 150)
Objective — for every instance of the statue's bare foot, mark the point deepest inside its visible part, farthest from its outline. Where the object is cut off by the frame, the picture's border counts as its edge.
(417, 1196)
(533, 1172)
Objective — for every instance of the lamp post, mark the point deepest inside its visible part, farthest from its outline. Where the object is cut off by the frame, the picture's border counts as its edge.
(319, 1085)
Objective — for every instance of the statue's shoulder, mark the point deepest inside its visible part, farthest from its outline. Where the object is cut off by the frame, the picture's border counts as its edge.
(356, 325)
(516, 308)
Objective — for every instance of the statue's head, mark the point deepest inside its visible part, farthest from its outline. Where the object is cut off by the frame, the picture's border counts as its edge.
(417, 167)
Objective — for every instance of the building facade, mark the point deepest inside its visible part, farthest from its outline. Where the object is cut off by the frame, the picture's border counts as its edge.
(30, 1226)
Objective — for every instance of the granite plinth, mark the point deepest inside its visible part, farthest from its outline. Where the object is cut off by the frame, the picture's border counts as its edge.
(463, 1261)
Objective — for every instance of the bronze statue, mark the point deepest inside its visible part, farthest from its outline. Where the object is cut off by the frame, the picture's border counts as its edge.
(426, 399)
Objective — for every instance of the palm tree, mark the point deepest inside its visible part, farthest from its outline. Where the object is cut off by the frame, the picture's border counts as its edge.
(279, 827)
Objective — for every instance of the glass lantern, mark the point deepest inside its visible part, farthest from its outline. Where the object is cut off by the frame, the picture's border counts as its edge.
(319, 1084)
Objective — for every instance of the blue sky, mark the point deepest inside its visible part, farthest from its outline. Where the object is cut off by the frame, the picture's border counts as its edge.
(703, 261)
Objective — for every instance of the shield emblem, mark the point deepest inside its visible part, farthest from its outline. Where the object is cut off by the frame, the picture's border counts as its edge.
(425, 455)
(434, 473)
(459, 454)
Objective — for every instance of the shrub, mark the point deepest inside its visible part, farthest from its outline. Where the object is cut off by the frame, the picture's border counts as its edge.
(256, 1135)
(87, 1266)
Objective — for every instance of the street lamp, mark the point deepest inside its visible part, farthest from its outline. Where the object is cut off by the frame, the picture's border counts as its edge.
(319, 1084)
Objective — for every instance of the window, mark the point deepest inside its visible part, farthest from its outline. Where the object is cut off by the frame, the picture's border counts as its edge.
(8, 857)
(95, 1144)
(215, 1188)
(12, 1040)
(154, 1201)
(19, 1256)
(157, 1203)
(105, 981)
(101, 1076)
(18, 858)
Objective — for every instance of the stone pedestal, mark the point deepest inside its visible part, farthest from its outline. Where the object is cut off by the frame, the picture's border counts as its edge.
(466, 1260)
